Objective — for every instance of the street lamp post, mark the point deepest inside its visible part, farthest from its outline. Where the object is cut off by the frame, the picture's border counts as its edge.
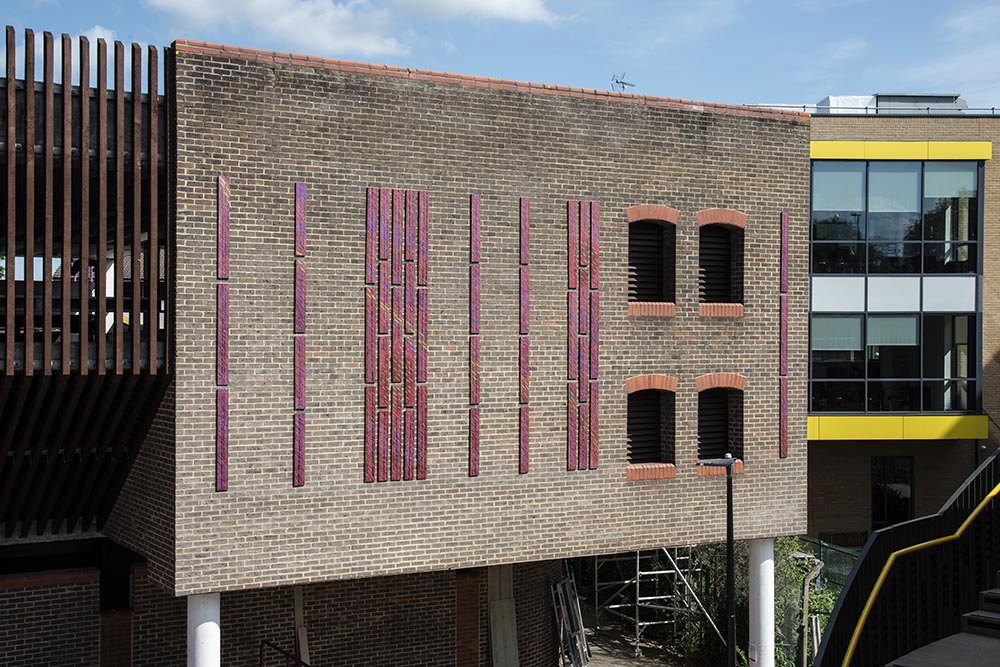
(727, 463)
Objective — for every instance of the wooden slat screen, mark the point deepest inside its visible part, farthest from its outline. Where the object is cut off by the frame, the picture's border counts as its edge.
(715, 260)
(645, 261)
(713, 423)
(644, 427)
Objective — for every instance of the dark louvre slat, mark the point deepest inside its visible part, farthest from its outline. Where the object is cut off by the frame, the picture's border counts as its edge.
(11, 246)
(84, 206)
(644, 444)
(153, 259)
(119, 205)
(713, 423)
(66, 254)
(715, 260)
(47, 163)
(645, 261)
(101, 257)
(29, 209)
(135, 244)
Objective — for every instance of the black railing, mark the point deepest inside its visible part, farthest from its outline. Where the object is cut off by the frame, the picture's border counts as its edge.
(913, 581)
(272, 655)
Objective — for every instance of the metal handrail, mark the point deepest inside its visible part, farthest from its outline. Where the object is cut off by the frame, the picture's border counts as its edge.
(884, 111)
(291, 659)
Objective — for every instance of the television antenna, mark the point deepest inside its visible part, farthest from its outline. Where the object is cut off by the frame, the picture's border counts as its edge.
(619, 83)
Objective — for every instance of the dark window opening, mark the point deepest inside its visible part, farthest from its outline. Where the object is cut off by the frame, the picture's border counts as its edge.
(720, 423)
(892, 490)
(651, 430)
(720, 264)
(651, 271)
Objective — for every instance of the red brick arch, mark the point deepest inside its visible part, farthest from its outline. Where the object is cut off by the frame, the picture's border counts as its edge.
(652, 212)
(651, 381)
(722, 216)
(716, 380)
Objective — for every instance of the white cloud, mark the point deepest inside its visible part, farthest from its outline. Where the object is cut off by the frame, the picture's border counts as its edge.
(512, 10)
(322, 27)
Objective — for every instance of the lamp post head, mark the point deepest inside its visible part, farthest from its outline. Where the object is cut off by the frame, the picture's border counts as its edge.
(726, 462)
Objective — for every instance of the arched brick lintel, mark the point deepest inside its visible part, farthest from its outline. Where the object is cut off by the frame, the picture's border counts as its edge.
(652, 212)
(651, 381)
(725, 380)
(722, 216)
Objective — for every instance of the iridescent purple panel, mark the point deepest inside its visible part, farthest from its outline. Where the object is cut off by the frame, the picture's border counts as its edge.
(300, 296)
(524, 360)
(422, 432)
(299, 450)
(584, 373)
(474, 370)
(384, 370)
(221, 439)
(584, 294)
(300, 372)
(583, 435)
(523, 441)
(421, 335)
(571, 426)
(222, 335)
(384, 215)
(410, 371)
(371, 238)
(396, 416)
(474, 296)
(595, 244)
(573, 339)
(525, 230)
(300, 219)
(397, 334)
(595, 342)
(525, 300)
(474, 442)
(371, 432)
(584, 238)
(783, 334)
(422, 223)
(784, 252)
(410, 298)
(397, 237)
(384, 299)
(371, 338)
(409, 443)
(783, 418)
(595, 413)
(474, 229)
(222, 229)
(573, 240)
(383, 445)
(410, 240)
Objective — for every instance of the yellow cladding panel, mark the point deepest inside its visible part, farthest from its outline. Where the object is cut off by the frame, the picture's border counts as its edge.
(895, 150)
(901, 150)
(812, 429)
(861, 427)
(959, 150)
(837, 150)
(945, 427)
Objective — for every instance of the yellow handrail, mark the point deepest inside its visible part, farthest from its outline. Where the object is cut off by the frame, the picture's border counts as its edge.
(856, 635)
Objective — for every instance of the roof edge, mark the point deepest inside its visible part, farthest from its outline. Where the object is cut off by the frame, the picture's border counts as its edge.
(317, 62)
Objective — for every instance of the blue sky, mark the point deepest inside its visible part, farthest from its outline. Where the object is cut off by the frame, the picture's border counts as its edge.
(737, 51)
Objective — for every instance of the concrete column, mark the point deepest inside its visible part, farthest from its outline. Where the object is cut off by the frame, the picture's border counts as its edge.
(761, 651)
(204, 636)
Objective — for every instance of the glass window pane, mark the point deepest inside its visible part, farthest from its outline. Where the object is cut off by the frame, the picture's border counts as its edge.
(838, 364)
(950, 258)
(951, 204)
(894, 226)
(892, 361)
(892, 330)
(838, 200)
(894, 258)
(949, 395)
(892, 490)
(836, 332)
(894, 396)
(950, 179)
(838, 258)
(838, 397)
(946, 348)
(894, 187)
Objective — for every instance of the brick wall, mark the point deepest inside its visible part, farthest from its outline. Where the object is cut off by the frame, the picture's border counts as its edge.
(50, 618)
(268, 126)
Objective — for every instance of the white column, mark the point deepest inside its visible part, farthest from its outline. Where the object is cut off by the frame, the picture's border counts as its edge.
(204, 636)
(762, 603)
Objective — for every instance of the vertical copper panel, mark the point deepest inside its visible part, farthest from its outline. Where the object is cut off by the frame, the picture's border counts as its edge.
(371, 237)
(524, 361)
(371, 339)
(29, 211)
(525, 300)
(300, 296)
(584, 372)
(783, 417)
(474, 229)
(153, 260)
(409, 443)
(410, 235)
(572, 337)
(410, 299)
(384, 370)
(300, 372)
(384, 299)
(396, 416)
(783, 335)
(595, 245)
(422, 335)
(784, 252)
(422, 244)
(299, 449)
(222, 335)
(594, 424)
(523, 439)
(474, 368)
(222, 228)
(584, 238)
(583, 434)
(384, 213)
(397, 237)
(48, 158)
(572, 241)
(66, 253)
(135, 318)
(383, 445)
(11, 246)
(300, 219)
(584, 295)
(410, 371)
(571, 426)
(525, 212)
(371, 431)
(221, 439)
(595, 346)
(474, 298)
(101, 256)
(422, 432)
(119, 205)
(473, 442)
(397, 334)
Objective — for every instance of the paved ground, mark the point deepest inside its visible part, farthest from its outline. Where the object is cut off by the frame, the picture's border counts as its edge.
(609, 648)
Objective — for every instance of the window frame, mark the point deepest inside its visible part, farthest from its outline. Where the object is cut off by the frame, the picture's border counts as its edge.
(871, 485)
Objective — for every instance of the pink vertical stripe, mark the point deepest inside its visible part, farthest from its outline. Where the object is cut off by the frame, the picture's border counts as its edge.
(384, 370)
(572, 335)
(397, 334)
(584, 294)
(525, 211)
(583, 435)
(383, 445)
(222, 335)
(422, 432)
(595, 413)
(371, 337)
(410, 299)
(474, 298)
(584, 238)
(410, 371)
(473, 442)
(422, 232)
(300, 296)
(571, 426)
(525, 300)
(782, 417)
(474, 229)
(523, 441)
(474, 370)
(595, 346)
(595, 245)
(371, 432)
(222, 439)
(384, 299)
(222, 228)
(573, 240)
(300, 372)
(384, 234)
(783, 335)
(410, 241)
(397, 237)
(524, 361)
(422, 335)
(300, 219)
(784, 252)
(409, 443)
(299, 450)
(396, 417)
(371, 238)
(584, 372)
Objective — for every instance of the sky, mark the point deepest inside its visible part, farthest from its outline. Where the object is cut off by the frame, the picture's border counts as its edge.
(734, 51)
